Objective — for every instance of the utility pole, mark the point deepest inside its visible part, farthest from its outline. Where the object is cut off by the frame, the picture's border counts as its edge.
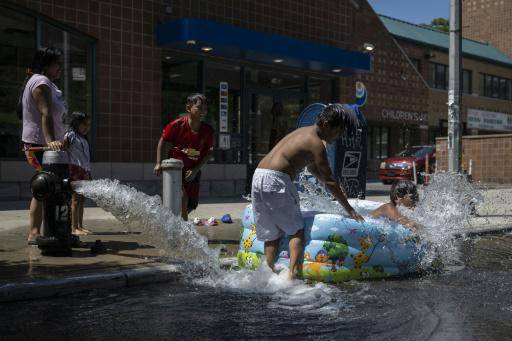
(454, 90)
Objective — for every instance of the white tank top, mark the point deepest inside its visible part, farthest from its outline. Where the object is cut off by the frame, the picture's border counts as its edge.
(32, 123)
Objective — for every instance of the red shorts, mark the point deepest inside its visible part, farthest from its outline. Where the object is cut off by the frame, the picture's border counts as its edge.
(34, 159)
(192, 190)
(77, 173)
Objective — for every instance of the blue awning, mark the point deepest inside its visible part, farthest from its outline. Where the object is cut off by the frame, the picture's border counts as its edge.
(240, 43)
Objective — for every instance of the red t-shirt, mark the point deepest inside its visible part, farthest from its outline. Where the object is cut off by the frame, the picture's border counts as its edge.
(188, 145)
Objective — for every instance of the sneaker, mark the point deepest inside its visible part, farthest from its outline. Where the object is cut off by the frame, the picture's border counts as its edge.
(197, 221)
(211, 221)
(226, 218)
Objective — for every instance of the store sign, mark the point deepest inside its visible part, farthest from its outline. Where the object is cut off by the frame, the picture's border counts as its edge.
(488, 120)
(78, 74)
(390, 114)
(224, 141)
(361, 94)
(223, 107)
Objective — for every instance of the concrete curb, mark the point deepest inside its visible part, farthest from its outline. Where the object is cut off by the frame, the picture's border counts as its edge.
(70, 285)
(483, 230)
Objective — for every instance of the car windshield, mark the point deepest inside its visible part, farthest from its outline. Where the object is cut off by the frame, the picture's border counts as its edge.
(416, 151)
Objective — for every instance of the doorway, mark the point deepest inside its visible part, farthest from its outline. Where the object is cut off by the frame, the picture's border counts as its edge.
(272, 115)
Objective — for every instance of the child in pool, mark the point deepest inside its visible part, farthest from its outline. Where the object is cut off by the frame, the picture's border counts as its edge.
(403, 193)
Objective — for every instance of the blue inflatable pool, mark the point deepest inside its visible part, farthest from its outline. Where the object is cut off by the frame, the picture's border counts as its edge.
(338, 248)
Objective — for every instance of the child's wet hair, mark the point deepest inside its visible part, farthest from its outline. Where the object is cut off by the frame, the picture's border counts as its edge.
(336, 115)
(75, 118)
(402, 188)
(195, 99)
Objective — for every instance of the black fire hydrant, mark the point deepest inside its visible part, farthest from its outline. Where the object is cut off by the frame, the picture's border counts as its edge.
(53, 188)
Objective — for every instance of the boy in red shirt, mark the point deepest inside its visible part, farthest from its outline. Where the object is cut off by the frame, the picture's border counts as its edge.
(191, 141)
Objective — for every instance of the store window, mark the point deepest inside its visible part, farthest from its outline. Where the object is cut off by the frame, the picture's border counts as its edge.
(182, 77)
(222, 87)
(495, 87)
(439, 78)
(269, 79)
(378, 142)
(17, 46)
(321, 90)
(19, 34)
(75, 81)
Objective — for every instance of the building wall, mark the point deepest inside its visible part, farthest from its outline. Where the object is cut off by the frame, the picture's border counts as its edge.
(488, 21)
(437, 107)
(129, 68)
(487, 154)
(394, 83)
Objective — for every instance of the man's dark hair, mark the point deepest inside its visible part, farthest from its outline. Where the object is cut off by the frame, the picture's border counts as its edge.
(196, 98)
(336, 115)
(75, 118)
(43, 58)
(401, 188)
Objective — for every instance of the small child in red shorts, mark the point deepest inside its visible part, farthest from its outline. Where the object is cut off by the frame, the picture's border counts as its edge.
(191, 141)
(79, 165)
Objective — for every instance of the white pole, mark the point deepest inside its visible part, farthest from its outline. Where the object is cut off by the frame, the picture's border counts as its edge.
(470, 170)
(171, 191)
(415, 177)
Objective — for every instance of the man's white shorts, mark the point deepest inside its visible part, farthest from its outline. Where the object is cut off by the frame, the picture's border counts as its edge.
(275, 205)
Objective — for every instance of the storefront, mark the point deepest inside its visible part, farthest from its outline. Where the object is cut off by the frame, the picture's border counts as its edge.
(21, 32)
(256, 93)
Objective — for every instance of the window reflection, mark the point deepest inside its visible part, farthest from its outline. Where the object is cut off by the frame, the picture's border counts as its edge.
(17, 46)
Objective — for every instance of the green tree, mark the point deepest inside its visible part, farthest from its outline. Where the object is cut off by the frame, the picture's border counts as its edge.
(440, 24)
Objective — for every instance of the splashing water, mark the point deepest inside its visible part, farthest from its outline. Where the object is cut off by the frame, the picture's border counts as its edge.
(314, 197)
(166, 231)
(445, 206)
(319, 298)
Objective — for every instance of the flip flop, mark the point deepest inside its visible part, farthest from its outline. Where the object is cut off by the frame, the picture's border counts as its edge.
(226, 218)
(211, 222)
(197, 221)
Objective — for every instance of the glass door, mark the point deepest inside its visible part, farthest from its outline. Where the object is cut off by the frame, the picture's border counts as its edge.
(273, 114)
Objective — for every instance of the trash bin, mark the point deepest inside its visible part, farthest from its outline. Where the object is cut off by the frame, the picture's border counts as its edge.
(347, 156)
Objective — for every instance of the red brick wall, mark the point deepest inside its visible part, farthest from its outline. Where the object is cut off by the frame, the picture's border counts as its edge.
(488, 21)
(490, 155)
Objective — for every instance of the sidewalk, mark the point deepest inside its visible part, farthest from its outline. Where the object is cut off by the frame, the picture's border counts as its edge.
(129, 259)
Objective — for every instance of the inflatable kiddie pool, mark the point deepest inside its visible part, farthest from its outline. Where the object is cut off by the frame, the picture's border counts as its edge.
(338, 248)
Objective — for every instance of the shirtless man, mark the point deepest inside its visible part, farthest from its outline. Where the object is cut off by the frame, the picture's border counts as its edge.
(275, 200)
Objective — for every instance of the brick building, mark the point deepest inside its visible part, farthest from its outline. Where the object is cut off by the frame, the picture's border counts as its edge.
(131, 63)
(486, 111)
(488, 21)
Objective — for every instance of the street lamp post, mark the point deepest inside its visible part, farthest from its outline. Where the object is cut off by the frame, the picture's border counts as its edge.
(454, 90)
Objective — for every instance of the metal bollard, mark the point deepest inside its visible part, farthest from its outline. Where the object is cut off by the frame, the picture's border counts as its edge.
(172, 191)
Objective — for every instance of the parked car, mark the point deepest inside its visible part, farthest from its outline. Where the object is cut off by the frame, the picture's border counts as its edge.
(400, 167)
